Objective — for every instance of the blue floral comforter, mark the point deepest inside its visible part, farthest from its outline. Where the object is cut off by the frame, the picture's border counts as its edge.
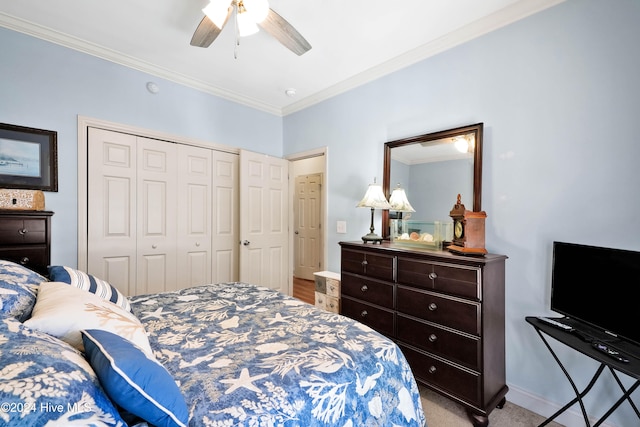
(245, 355)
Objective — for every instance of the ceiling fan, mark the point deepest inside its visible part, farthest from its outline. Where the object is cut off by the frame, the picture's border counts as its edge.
(248, 14)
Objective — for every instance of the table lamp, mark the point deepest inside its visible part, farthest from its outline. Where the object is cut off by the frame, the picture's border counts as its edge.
(400, 204)
(374, 198)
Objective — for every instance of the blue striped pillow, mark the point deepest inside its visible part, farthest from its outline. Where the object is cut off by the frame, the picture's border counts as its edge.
(87, 282)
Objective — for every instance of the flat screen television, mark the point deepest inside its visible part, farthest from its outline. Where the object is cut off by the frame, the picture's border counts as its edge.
(597, 286)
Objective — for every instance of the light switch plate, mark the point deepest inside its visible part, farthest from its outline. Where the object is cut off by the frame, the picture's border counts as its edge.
(341, 227)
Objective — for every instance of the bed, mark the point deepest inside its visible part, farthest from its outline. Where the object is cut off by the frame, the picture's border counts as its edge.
(74, 351)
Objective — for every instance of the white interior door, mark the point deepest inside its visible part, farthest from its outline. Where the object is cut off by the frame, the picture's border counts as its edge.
(307, 225)
(225, 248)
(264, 221)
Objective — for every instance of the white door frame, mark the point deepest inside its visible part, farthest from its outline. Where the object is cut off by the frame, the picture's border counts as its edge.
(324, 152)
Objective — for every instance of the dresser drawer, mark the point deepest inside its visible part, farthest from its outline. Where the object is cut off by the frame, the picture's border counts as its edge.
(453, 346)
(19, 231)
(333, 288)
(460, 280)
(373, 291)
(450, 312)
(368, 264)
(441, 375)
(33, 257)
(375, 317)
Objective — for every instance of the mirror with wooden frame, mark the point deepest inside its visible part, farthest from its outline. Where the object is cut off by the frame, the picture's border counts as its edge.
(433, 169)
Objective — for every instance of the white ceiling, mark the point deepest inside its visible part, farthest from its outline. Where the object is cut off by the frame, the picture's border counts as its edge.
(353, 41)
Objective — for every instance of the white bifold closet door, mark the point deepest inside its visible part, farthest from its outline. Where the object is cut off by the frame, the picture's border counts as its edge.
(149, 212)
(163, 216)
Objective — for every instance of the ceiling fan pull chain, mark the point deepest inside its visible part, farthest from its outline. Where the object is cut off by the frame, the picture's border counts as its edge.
(237, 32)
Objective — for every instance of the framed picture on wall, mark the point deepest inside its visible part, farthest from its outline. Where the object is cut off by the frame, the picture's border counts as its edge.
(28, 158)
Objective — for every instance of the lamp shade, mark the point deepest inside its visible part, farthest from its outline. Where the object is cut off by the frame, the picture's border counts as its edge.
(374, 198)
(399, 201)
(216, 11)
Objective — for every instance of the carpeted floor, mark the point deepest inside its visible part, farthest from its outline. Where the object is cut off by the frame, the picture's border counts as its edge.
(442, 412)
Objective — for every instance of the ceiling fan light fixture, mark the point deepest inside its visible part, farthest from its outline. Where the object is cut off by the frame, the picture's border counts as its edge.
(257, 9)
(246, 25)
(216, 11)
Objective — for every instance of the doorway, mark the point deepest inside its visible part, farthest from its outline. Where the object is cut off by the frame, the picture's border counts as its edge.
(307, 225)
(308, 181)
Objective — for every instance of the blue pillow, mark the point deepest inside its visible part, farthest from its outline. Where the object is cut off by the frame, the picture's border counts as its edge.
(140, 385)
(18, 290)
(82, 280)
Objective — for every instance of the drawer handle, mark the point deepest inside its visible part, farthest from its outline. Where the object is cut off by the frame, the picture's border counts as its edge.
(23, 231)
(433, 306)
(364, 313)
(364, 288)
(25, 261)
(432, 369)
(433, 338)
(364, 262)
(433, 276)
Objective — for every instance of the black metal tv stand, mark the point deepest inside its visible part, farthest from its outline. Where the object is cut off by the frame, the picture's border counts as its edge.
(582, 343)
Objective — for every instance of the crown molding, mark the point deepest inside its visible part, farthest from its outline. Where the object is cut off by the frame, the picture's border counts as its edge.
(476, 29)
(47, 34)
(502, 18)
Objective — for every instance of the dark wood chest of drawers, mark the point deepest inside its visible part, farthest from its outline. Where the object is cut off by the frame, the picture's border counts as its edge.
(445, 311)
(25, 238)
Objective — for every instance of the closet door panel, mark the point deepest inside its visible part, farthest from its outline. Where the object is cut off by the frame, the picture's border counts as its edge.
(194, 216)
(156, 216)
(112, 192)
(119, 269)
(153, 276)
(161, 216)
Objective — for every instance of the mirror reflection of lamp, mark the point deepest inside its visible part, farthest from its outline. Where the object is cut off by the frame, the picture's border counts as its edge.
(374, 198)
(400, 204)
(462, 144)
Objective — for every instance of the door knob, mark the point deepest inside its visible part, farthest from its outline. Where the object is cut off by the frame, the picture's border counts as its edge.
(296, 232)
(246, 242)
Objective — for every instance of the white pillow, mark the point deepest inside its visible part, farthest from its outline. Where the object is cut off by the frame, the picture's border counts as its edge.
(62, 311)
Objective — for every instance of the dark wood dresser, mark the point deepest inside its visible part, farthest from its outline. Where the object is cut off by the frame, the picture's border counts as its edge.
(445, 311)
(25, 238)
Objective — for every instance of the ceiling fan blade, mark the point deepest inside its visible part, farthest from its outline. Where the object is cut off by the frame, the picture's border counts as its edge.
(205, 34)
(207, 31)
(284, 32)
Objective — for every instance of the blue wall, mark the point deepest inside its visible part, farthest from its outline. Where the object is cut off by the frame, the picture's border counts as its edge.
(46, 86)
(558, 94)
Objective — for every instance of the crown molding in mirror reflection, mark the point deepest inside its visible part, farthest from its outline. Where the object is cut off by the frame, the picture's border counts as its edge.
(472, 134)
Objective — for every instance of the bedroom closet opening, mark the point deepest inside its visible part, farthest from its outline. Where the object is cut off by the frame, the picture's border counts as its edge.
(157, 215)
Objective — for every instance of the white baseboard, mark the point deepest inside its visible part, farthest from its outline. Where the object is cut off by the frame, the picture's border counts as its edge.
(570, 418)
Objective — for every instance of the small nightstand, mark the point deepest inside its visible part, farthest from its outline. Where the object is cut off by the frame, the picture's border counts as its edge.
(25, 238)
(327, 291)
